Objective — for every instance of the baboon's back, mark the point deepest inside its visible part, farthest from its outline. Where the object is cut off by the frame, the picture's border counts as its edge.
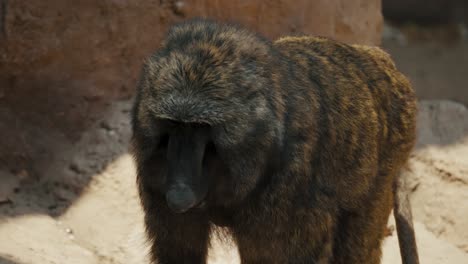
(366, 112)
(361, 86)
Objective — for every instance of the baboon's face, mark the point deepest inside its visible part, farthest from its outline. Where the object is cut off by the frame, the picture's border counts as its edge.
(198, 165)
(203, 126)
(183, 162)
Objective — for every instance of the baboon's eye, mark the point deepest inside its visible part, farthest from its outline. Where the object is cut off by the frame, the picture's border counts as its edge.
(163, 141)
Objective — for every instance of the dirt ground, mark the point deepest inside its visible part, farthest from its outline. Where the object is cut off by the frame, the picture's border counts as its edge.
(83, 207)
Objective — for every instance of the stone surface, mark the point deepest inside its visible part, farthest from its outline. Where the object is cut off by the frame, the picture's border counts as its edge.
(94, 49)
(10, 183)
(356, 21)
(434, 59)
(425, 11)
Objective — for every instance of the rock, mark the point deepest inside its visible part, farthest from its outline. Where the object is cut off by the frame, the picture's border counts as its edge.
(425, 11)
(8, 184)
(357, 21)
(433, 60)
(97, 47)
(441, 122)
(74, 58)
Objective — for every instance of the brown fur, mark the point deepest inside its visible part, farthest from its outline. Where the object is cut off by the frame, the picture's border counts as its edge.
(310, 136)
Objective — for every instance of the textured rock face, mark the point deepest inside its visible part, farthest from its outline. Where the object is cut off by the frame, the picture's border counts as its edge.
(61, 62)
(426, 11)
(100, 44)
(356, 21)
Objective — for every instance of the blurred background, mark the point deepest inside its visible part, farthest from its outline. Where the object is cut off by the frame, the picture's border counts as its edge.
(68, 71)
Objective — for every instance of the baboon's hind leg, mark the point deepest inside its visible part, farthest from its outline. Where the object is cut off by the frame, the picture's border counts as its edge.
(360, 232)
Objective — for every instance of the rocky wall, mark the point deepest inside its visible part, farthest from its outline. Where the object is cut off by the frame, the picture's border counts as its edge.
(62, 62)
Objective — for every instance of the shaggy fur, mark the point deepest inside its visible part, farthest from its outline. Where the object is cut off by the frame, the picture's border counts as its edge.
(311, 135)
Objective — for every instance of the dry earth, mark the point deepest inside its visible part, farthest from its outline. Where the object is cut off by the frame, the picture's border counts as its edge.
(103, 224)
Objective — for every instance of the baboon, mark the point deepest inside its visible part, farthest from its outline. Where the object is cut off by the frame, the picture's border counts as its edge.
(295, 146)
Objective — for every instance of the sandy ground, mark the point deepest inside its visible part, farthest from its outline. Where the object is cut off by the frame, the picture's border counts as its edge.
(103, 224)
(85, 210)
